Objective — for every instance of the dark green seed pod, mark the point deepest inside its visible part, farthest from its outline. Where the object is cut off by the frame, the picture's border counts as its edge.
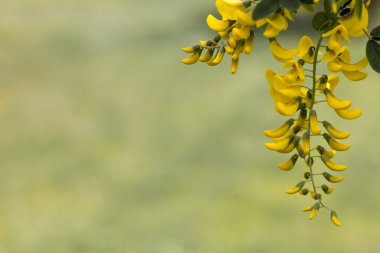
(300, 150)
(321, 150)
(316, 196)
(311, 51)
(331, 178)
(296, 129)
(303, 113)
(296, 140)
(309, 94)
(217, 39)
(326, 189)
(304, 191)
(307, 175)
(301, 184)
(323, 79)
(327, 137)
(310, 161)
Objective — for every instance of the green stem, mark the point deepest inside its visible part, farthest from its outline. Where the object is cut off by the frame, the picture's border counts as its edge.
(315, 61)
(368, 36)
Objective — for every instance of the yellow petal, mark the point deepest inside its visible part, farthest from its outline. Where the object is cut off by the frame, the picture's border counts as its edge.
(355, 25)
(278, 21)
(349, 113)
(271, 32)
(277, 146)
(334, 66)
(334, 42)
(280, 53)
(355, 75)
(216, 24)
(227, 11)
(248, 46)
(304, 45)
(244, 18)
(355, 66)
(206, 56)
(192, 59)
(234, 65)
(287, 109)
(241, 33)
(280, 131)
(334, 219)
(218, 57)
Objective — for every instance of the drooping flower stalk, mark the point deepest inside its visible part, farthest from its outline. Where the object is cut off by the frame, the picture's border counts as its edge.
(291, 91)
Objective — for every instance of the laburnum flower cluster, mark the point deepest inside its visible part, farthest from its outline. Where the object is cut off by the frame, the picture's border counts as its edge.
(300, 87)
(236, 33)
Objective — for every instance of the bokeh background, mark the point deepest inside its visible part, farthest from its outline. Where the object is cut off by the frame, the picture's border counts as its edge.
(109, 144)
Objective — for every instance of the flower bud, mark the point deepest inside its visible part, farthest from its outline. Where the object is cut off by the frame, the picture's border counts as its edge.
(314, 211)
(296, 188)
(334, 218)
(326, 189)
(304, 191)
(331, 178)
(310, 161)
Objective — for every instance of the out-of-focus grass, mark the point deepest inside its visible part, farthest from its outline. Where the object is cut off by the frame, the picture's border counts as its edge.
(109, 144)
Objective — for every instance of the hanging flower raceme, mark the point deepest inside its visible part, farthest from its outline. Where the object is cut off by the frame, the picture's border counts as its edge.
(235, 35)
(236, 32)
(299, 87)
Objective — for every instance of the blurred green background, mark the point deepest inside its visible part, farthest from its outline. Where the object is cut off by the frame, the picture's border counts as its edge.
(109, 144)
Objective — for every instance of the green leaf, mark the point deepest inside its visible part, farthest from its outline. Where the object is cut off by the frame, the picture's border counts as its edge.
(307, 1)
(375, 33)
(265, 8)
(292, 5)
(358, 8)
(327, 6)
(373, 55)
(308, 7)
(322, 22)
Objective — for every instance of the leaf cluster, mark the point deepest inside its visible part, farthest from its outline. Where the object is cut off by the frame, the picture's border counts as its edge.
(267, 7)
(373, 49)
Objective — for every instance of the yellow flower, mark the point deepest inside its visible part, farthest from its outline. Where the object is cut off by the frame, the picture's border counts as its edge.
(329, 82)
(280, 53)
(354, 25)
(281, 90)
(194, 57)
(276, 23)
(235, 26)
(340, 61)
(296, 188)
(241, 33)
(296, 71)
(336, 35)
(217, 24)
(227, 11)
(334, 219)
(244, 18)
(304, 50)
